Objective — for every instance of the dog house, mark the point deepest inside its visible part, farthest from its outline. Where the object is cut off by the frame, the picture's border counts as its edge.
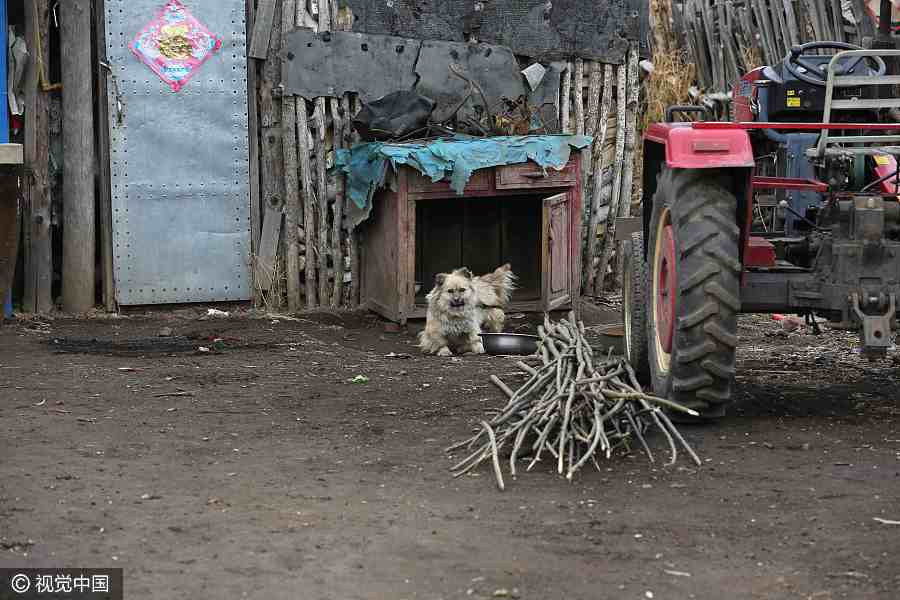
(521, 214)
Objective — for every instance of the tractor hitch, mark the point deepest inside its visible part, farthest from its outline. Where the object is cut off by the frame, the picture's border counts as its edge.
(876, 329)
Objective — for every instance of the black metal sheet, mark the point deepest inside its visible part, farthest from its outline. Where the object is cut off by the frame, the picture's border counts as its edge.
(493, 68)
(330, 64)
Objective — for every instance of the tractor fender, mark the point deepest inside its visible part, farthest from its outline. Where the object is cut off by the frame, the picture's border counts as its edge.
(680, 146)
(689, 148)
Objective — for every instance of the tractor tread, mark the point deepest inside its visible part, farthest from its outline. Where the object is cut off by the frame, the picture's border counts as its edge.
(700, 276)
(698, 316)
(696, 241)
(718, 369)
(692, 384)
(697, 351)
(716, 290)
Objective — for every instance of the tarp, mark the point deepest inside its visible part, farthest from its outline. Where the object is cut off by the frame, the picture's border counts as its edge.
(366, 165)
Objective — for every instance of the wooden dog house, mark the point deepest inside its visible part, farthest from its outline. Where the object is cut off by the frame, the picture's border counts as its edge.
(521, 214)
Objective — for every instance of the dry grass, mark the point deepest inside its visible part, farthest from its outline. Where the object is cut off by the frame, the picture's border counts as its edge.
(668, 84)
(271, 299)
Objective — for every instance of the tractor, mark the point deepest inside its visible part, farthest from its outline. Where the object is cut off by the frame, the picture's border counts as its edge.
(789, 207)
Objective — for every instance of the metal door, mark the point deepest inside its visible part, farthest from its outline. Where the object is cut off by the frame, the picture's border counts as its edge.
(179, 162)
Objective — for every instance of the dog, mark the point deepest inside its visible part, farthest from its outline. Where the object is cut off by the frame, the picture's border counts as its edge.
(460, 306)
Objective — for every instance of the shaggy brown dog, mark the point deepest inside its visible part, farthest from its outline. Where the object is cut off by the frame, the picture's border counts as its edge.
(460, 305)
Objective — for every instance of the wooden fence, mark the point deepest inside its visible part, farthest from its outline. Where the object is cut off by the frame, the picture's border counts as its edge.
(727, 38)
(303, 254)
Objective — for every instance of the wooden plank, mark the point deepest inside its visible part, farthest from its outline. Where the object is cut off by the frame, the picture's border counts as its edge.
(291, 180)
(38, 250)
(261, 28)
(267, 255)
(79, 232)
(253, 137)
(762, 16)
(597, 183)
(609, 239)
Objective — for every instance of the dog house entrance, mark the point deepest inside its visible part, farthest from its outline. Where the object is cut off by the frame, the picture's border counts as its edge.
(482, 234)
(518, 214)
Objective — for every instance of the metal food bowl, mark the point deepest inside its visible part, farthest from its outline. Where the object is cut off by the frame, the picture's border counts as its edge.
(509, 343)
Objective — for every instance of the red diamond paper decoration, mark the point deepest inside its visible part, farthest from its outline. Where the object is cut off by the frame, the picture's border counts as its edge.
(175, 44)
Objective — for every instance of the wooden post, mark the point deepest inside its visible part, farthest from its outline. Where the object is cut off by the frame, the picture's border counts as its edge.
(309, 203)
(78, 148)
(271, 157)
(291, 180)
(104, 202)
(38, 252)
(565, 109)
(337, 256)
(253, 135)
(632, 97)
(597, 182)
(321, 176)
(609, 241)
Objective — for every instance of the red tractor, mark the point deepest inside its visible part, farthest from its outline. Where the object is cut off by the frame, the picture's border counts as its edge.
(791, 207)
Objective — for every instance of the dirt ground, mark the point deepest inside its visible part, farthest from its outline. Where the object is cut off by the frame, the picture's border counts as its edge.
(258, 470)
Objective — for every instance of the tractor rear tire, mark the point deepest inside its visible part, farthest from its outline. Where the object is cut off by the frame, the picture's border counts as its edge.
(635, 301)
(694, 279)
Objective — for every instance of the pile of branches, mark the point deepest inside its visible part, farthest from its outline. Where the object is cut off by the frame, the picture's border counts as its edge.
(573, 407)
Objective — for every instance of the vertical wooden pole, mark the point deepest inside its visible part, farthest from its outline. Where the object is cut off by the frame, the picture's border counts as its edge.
(337, 210)
(38, 252)
(565, 108)
(78, 148)
(632, 95)
(355, 267)
(253, 135)
(272, 157)
(291, 180)
(104, 201)
(599, 169)
(321, 112)
(609, 241)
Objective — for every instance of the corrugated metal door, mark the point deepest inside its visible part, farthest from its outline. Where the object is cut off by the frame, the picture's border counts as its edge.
(179, 163)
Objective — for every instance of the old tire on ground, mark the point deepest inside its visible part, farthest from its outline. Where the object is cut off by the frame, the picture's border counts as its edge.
(635, 301)
(694, 290)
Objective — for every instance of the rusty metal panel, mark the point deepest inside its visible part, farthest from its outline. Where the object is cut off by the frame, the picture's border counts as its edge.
(180, 167)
